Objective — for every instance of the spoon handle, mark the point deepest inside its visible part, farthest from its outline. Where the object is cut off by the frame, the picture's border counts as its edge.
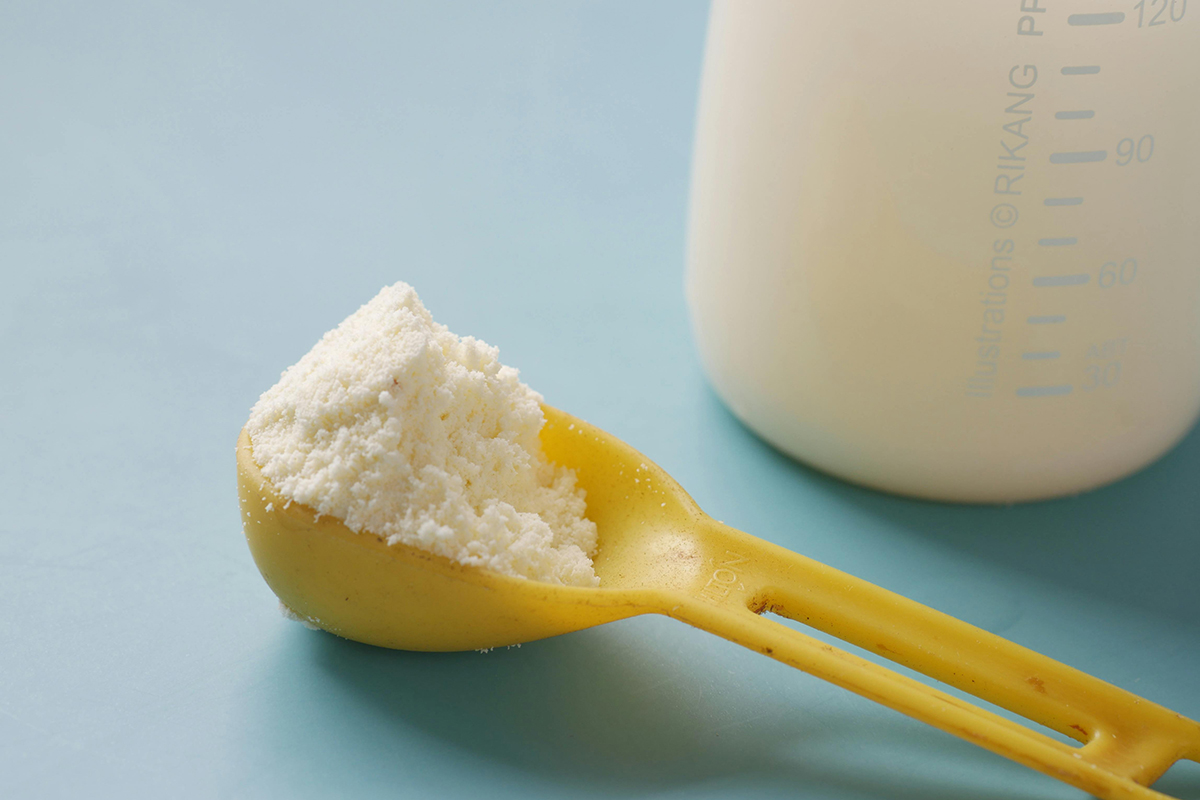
(1129, 741)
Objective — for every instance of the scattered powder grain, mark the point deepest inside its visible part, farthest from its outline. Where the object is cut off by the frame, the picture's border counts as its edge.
(397, 426)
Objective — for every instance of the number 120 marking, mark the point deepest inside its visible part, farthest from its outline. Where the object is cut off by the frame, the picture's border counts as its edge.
(1177, 9)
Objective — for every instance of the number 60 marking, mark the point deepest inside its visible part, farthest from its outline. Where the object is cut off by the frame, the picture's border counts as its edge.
(1111, 274)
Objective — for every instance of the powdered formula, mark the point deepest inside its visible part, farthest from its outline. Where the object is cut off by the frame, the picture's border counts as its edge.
(398, 427)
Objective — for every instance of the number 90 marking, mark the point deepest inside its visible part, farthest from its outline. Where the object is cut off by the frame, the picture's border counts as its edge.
(1128, 150)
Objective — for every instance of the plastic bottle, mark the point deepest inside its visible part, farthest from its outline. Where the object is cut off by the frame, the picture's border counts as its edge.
(952, 249)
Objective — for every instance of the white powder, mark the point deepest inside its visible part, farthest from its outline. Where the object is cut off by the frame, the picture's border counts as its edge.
(397, 426)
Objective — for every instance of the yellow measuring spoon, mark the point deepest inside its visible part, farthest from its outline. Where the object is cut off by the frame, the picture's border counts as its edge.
(660, 554)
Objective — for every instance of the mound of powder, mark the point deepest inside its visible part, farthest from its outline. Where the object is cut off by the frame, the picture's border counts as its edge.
(397, 426)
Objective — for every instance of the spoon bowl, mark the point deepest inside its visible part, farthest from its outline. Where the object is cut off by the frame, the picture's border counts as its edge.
(359, 587)
(659, 553)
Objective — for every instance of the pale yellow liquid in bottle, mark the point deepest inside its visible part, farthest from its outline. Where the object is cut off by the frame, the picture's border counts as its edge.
(952, 249)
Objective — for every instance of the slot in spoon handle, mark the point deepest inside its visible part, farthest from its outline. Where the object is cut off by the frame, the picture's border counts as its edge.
(1130, 741)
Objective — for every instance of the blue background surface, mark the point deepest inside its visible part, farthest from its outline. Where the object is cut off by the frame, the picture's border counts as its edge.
(192, 193)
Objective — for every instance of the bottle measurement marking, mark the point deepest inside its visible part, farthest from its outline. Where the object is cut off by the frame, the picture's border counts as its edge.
(1063, 201)
(1087, 70)
(1040, 355)
(1062, 280)
(1074, 114)
(1103, 18)
(1062, 241)
(1079, 157)
(1043, 391)
(1047, 319)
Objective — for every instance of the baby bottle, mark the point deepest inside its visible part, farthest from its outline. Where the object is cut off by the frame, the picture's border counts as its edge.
(952, 249)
